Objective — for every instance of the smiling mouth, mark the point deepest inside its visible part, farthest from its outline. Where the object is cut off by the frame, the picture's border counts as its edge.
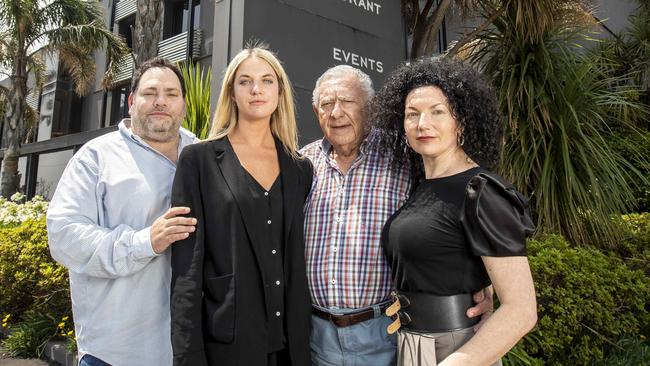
(425, 138)
(159, 114)
(258, 102)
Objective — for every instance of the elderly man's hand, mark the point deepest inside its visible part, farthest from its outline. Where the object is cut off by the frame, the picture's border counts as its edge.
(484, 306)
(169, 228)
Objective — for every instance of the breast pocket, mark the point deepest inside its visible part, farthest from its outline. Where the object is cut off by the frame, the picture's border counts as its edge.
(219, 298)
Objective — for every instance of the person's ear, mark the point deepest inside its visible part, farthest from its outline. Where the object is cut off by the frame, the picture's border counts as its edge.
(130, 102)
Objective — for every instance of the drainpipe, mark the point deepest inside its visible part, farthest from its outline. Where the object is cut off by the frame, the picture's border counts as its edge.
(189, 55)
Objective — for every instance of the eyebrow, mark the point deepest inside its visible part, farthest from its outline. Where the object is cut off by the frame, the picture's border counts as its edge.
(264, 76)
(433, 106)
(151, 88)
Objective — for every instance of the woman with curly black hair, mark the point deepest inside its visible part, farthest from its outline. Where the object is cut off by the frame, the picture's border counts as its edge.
(463, 227)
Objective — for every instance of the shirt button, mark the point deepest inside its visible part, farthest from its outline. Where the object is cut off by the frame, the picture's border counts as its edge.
(277, 313)
(335, 249)
(333, 281)
(277, 283)
(273, 251)
(269, 222)
(266, 193)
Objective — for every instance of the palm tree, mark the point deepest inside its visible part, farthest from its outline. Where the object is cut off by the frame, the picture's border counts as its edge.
(30, 29)
(560, 107)
(423, 21)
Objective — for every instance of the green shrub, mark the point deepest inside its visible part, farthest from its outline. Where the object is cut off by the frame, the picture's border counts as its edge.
(28, 338)
(628, 352)
(586, 300)
(635, 147)
(16, 210)
(634, 247)
(29, 277)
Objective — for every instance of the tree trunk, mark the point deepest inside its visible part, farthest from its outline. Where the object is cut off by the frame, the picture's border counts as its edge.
(148, 29)
(14, 115)
(425, 33)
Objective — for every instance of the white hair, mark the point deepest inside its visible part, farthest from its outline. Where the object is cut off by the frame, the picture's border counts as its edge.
(342, 70)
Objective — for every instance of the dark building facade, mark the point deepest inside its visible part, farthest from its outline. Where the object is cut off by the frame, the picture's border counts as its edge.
(309, 36)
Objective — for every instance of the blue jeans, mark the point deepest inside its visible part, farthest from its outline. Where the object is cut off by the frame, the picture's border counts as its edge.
(89, 360)
(363, 344)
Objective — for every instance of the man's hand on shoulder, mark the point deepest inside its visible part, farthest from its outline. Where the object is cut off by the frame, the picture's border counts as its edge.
(484, 306)
(171, 227)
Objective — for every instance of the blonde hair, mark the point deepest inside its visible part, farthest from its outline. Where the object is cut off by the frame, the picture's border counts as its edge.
(283, 119)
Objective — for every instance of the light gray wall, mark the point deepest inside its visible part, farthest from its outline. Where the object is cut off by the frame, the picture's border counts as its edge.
(615, 13)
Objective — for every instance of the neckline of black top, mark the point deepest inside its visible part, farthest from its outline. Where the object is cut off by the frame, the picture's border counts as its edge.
(460, 174)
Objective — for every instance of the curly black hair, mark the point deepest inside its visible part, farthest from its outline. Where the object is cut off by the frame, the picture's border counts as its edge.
(472, 102)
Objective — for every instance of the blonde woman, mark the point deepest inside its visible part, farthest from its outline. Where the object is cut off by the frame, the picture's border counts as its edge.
(239, 288)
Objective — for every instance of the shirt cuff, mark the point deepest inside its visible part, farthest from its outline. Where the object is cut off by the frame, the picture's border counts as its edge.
(142, 244)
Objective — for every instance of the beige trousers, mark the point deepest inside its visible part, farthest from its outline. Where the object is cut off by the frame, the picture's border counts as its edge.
(427, 349)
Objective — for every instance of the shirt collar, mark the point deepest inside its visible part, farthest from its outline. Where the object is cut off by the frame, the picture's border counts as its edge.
(366, 147)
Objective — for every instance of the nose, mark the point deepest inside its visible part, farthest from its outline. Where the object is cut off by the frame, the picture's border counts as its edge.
(160, 100)
(337, 111)
(424, 122)
(255, 89)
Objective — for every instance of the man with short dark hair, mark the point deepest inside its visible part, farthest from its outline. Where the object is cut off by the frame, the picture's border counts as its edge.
(110, 224)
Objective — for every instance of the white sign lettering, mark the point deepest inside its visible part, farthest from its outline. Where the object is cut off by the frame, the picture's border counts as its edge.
(369, 6)
(357, 60)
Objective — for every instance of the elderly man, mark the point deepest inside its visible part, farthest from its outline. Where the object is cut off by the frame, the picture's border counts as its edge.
(110, 224)
(355, 190)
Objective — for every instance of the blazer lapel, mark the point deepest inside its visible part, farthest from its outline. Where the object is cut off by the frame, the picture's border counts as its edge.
(234, 175)
(290, 188)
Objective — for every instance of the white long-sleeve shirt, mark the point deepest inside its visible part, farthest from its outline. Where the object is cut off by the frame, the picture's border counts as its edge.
(98, 225)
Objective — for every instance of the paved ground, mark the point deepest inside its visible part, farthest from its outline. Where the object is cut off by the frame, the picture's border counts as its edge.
(19, 362)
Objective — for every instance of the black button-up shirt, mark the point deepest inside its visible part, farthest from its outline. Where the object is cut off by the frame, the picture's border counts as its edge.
(270, 204)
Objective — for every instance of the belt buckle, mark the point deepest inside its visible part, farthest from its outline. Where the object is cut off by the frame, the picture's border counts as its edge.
(396, 312)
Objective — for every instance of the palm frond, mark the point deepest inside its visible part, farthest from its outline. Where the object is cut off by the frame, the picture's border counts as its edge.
(197, 99)
(37, 68)
(560, 108)
(75, 43)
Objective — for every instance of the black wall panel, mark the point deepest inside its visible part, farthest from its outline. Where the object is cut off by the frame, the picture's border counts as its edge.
(310, 36)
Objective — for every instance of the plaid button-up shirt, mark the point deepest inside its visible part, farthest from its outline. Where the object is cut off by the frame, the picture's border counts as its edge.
(344, 217)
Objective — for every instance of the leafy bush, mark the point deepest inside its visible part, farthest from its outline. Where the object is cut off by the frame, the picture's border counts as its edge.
(635, 147)
(14, 212)
(28, 338)
(34, 291)
(628, 352)
(29, 277)
(586, 300)
(634, 248)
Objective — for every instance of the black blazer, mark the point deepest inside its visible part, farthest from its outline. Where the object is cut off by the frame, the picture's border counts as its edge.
(218, 291)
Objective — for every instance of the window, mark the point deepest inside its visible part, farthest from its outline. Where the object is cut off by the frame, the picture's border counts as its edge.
(177, 17)
(68, 106)
(119, 103)
(125, 29)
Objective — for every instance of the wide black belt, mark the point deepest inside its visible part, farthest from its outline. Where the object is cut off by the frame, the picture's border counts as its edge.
(430, 313)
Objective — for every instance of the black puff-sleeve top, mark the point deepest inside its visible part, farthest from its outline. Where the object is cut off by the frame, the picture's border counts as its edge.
(434, 243)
